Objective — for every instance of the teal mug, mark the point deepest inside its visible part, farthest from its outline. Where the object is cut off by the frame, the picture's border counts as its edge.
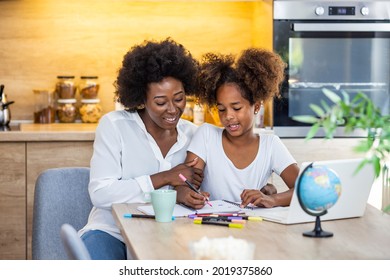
(163, 202)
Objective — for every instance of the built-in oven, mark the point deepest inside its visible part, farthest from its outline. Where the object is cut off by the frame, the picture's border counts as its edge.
(340, 45)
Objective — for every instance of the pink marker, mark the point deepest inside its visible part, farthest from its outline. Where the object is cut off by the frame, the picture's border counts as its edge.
(193, 188)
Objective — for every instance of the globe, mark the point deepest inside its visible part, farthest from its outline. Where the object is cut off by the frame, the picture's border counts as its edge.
(318, 188)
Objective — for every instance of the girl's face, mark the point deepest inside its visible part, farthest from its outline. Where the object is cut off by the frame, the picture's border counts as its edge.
(165, 103)
(235, 112)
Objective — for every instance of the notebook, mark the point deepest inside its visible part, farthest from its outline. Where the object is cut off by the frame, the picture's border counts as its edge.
(218, 206)
(355, 190)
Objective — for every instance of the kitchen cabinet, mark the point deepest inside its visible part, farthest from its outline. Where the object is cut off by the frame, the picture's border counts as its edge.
(23, 156)
(12, 201)
(21, 163)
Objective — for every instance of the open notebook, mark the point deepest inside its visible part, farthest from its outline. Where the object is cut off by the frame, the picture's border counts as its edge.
(218, 206)
(355, 190)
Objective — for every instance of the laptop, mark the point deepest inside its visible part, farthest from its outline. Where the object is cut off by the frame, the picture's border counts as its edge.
(355, 190)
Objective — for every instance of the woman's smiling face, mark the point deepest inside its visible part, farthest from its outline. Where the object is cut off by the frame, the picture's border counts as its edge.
(165, 102)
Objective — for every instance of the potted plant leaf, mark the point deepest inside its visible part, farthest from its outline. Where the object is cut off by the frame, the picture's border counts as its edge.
(357, 113)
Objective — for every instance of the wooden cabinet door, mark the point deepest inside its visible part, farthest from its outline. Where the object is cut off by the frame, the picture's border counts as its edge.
(45, 155)
(12, 201)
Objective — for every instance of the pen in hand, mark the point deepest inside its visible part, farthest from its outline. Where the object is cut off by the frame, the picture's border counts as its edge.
(193, 188)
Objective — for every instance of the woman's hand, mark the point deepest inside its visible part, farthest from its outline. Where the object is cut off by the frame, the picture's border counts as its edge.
(171, 177)
(190, 198)
(187, 169)
(257, 198)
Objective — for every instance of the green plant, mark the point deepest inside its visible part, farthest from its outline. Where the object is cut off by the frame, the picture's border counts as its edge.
(353, 114)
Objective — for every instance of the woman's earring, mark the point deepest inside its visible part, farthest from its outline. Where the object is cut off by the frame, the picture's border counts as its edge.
(141, 106)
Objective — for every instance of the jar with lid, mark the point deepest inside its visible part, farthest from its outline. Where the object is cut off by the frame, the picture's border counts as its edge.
(44, 111)
(89, 87)
(188, 113)
(199, 114)
(66, 110)
(65, 87)
(90, 110)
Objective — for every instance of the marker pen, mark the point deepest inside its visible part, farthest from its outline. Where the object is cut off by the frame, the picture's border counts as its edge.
(231, 225)
(252, 218)
(193, 188)
(128, 215)
(217, 219)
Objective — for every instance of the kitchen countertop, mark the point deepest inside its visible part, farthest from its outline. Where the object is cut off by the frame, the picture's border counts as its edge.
(26, 132)
(49, 132)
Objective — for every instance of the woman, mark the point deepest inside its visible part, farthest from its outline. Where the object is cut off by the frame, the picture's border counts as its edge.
(237, 162)
(143, 147)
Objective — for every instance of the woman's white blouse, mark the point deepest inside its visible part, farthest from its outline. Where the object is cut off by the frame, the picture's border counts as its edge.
(124, 157)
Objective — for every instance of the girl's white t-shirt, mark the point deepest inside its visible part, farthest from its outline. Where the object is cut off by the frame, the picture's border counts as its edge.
(221, 178)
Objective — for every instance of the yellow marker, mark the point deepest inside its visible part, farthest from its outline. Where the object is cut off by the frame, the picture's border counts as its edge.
(231, 225)
(256, 219)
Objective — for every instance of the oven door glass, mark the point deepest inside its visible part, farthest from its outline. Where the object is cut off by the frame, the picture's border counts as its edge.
(350, 61)
(350, 64)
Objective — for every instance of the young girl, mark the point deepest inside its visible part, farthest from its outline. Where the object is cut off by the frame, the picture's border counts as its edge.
(237, 162)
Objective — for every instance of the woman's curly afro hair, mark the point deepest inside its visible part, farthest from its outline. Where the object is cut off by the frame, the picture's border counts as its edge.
(151, 62)
(258, 73)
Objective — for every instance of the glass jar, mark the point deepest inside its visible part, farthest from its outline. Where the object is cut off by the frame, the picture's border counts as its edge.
(44, 111)
(188, 113)
(89, 87)
(65, 87)
(198, 114)
(66, 110)
(90, 110)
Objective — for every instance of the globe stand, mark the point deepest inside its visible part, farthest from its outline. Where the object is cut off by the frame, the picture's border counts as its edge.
(317, 231)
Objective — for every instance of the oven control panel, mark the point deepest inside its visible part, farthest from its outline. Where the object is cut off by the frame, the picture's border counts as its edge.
(341, 11)
(331, 10)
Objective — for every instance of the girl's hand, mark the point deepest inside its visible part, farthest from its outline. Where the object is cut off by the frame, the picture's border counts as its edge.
(190, 198)
(257, 198)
